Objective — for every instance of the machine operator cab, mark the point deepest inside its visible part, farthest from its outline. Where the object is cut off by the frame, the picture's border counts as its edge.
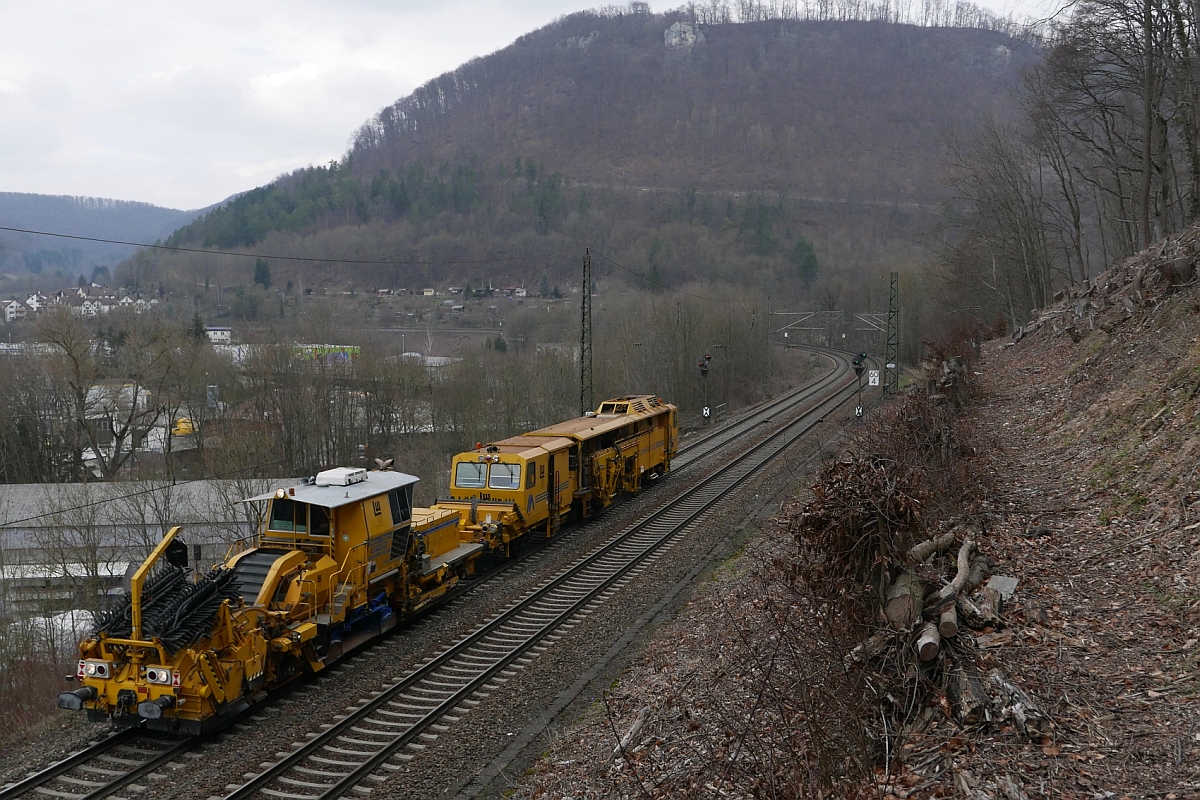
(510, 486)
(346, 525)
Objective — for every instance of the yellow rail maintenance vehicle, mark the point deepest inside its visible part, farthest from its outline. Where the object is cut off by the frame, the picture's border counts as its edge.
(338, 560)
(538, 481)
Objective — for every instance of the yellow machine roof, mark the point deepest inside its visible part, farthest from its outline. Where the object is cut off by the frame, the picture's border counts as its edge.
(525, 446)
(640, 406)
(374, 483)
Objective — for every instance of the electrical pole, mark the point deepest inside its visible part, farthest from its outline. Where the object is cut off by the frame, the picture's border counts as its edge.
(586, 402)
(891, 384)
(767, 332)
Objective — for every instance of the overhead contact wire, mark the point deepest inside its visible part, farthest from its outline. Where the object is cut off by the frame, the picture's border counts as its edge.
(387, 263)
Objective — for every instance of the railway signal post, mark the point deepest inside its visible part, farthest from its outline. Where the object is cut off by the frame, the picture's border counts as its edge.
(859, 365)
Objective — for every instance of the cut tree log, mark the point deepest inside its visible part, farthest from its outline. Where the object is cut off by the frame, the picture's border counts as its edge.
(990, 604)
(970, 703)
(969, 612)
(870, 648)
(919, 552)
(944, 598)
(904, 598)
(948, 623)
(929, 643)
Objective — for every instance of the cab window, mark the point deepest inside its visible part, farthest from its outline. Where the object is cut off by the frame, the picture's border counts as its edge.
(289, 515)
(470, 475)
(505, 476)
(319, 519)
(531, 478)
(401, 502)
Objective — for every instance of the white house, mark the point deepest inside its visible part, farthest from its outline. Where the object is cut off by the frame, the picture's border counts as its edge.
(36, 302)
(218, 335)
(13, 310)
(88, 307)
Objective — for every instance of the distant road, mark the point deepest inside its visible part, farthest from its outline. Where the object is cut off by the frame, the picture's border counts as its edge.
(746, 192)
(431, 330)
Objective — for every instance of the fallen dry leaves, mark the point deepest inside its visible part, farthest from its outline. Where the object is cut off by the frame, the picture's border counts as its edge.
(1095, 512)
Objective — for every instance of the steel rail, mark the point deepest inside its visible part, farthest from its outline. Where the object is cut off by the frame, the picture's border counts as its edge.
(67, 764)
(483, 659)
(86, 758)
(753, 417)
(707, 445)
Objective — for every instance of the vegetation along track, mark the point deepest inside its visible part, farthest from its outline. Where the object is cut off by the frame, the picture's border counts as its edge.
(127, 756)
(360, 747)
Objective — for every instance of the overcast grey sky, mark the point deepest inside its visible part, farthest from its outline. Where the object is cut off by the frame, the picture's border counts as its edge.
(184, 104)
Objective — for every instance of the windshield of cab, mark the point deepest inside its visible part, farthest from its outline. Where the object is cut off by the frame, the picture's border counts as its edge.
(470, 475)
(505, 476)
(477, 475)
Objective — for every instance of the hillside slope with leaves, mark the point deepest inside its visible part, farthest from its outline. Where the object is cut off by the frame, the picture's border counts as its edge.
(1082, 461)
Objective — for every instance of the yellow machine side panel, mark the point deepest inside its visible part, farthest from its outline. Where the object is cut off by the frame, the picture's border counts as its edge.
(379, 516)
(351, 530)
(379, 526)
(439, 532)
(350, 551)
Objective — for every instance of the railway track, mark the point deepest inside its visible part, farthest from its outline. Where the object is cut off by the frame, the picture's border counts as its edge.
(119, 761)
(759, 415)
(103, 769)
(395, 723)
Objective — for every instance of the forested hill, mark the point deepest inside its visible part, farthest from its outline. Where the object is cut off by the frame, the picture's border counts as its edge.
(82, 216)
(768, 147)
(846, 110)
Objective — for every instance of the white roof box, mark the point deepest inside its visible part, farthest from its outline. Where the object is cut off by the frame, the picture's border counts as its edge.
(341, 476)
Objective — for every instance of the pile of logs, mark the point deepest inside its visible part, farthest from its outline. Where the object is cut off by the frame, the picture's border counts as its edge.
(922, 620)
(930, 616)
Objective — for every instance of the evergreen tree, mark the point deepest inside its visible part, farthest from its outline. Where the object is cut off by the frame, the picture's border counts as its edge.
(262, 272)
(654, 278)
(804, 258)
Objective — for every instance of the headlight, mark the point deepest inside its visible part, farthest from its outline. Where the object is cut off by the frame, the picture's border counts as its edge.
(160, 675)
(96, 669)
